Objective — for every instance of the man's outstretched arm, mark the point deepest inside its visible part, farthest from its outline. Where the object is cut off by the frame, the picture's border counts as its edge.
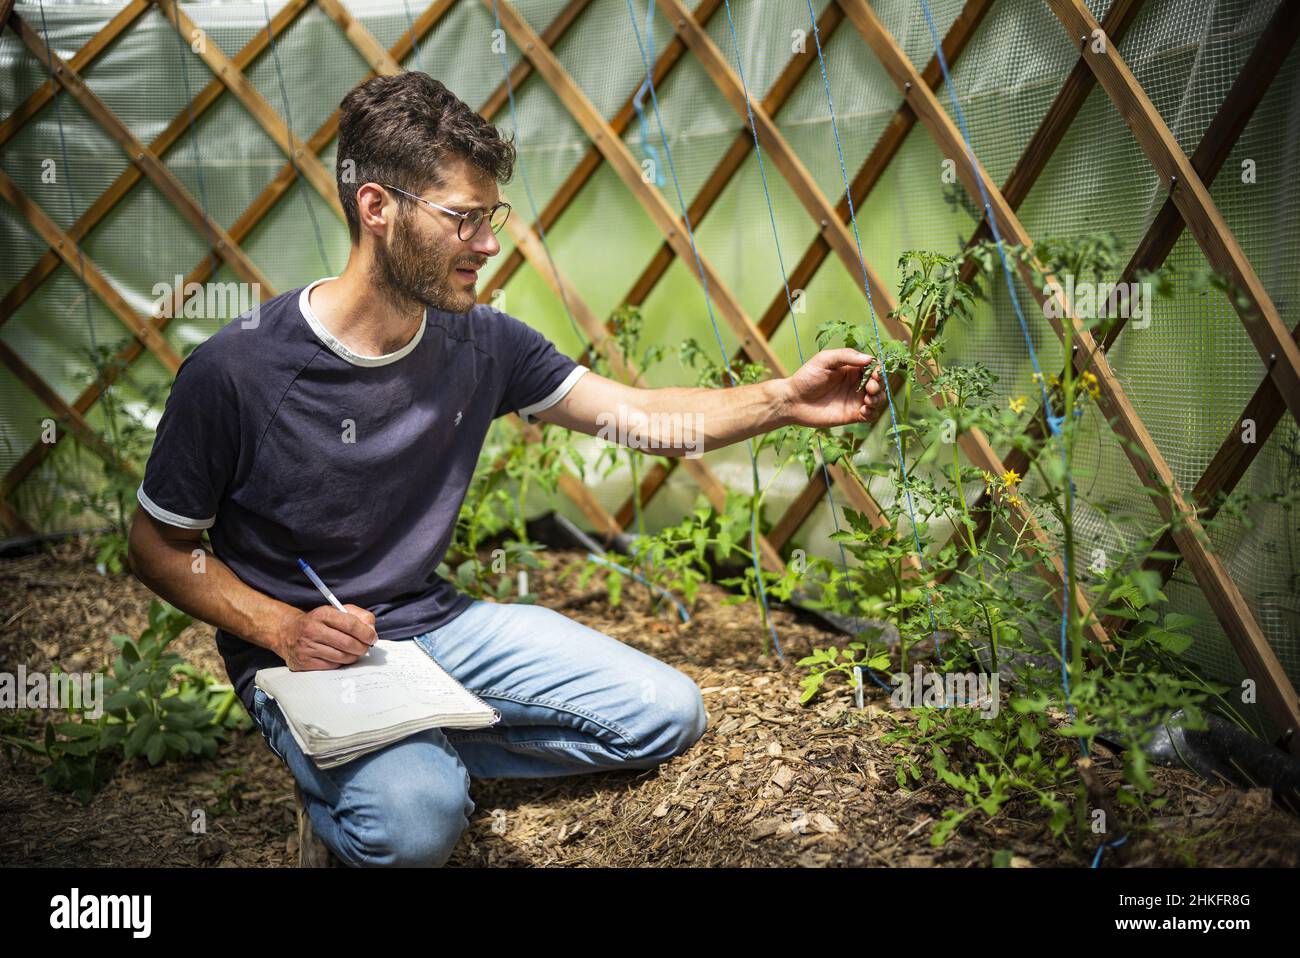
(678, 420)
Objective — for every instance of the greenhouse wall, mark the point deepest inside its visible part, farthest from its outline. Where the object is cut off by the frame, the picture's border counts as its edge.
(1189, 368)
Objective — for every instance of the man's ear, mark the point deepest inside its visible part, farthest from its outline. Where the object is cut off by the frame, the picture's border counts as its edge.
(371, 203)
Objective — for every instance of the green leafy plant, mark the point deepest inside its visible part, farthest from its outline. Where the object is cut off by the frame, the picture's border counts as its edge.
(973, 590)
(493, 510)
(156, 706)
(850, 661)
(102, 473)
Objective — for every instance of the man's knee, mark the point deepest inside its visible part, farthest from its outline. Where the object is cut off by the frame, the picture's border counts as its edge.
(417, 826)
(679, 706)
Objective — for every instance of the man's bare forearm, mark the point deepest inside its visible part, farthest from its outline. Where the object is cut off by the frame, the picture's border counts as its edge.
(214, 595)
(688, 420)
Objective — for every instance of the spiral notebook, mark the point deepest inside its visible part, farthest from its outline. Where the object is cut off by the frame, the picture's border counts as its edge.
(395, 690)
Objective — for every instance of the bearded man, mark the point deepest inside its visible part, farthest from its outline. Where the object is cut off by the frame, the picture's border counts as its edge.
(341, 423)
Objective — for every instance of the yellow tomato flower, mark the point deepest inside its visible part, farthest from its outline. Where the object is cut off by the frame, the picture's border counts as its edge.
(1090, 383)
(1010, 478)
(1017, 405)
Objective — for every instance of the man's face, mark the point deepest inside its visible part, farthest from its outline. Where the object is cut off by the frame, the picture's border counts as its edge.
(424, 258)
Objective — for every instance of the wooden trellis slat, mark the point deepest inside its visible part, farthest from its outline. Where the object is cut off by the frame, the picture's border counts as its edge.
(239, 230)
(711, 190)
(591, 160)
(1227, 467)
(13, 521)
(120, 187)
(709, 193)
(143, 331)
(842, 242)
(622, 163)
(64, 245)
(864, 181)
(1055, 124)
(1260, 318)
(62, 411)
(371, 50)
(1033, 160)
(87, 55)
(1265, 408)
(271, 122)
(1230, 606)
(140, 155)
(421, 26)
(522, 70)
(778, 151)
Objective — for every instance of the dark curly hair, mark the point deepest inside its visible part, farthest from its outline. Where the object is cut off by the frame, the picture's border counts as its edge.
(400, 129)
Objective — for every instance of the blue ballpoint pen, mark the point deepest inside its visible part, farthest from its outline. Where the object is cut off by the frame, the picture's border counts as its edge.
(324, 590)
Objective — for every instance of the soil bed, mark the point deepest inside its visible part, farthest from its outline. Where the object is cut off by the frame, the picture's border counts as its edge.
(770, 783)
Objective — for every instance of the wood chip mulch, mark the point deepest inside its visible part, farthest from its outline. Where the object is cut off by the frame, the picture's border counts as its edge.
(771, 783)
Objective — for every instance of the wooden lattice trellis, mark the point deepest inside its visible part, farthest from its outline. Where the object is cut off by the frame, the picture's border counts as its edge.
(1189, 205)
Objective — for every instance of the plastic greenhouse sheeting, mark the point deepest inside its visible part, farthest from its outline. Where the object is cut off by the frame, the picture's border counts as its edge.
(1189, 371)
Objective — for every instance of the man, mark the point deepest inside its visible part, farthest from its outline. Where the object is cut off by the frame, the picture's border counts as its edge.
(341, 423)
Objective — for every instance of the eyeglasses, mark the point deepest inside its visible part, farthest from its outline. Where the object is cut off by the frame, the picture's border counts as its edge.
(471, 221)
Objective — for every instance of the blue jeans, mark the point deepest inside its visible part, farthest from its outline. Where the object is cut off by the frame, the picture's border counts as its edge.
(571, 699)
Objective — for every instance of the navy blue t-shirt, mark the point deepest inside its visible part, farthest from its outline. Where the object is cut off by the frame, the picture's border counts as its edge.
(284, 444)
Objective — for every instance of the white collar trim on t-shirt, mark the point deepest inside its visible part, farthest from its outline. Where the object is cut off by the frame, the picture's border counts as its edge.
(330, 340)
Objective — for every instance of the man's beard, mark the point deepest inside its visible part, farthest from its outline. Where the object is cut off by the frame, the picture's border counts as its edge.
(408, 274)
